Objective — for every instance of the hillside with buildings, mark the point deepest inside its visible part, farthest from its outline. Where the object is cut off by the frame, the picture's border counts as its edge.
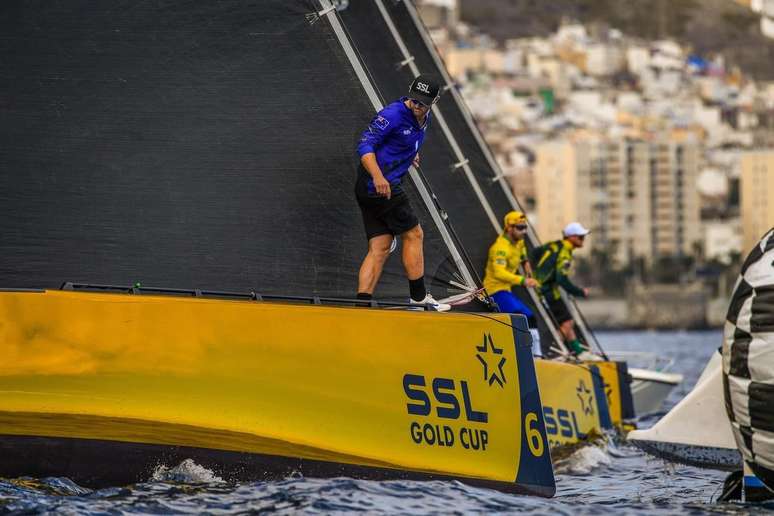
(733, 29)
(666, 154)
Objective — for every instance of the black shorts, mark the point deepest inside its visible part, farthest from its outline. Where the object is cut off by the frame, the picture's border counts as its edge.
(382, 216)
(560, 311)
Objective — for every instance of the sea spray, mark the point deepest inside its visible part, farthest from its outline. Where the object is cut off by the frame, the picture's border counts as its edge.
(583, 461)
(187, 472)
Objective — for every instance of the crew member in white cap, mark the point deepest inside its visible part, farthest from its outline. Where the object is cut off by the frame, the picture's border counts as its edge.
(553, 262)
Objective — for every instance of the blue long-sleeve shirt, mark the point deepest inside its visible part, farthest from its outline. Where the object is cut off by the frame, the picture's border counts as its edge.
(395, 136)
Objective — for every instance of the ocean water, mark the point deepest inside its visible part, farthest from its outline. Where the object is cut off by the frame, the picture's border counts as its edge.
(610, 478)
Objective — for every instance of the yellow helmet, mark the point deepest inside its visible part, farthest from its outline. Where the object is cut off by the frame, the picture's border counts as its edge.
(514, 217)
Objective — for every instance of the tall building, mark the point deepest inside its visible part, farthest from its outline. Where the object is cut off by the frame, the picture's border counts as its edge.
(756, 195)
(439, 13)
(556, 188)
(638, 197)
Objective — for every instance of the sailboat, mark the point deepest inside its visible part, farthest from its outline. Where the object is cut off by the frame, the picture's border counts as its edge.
(723, 423)
(178, 230)
(163, 146)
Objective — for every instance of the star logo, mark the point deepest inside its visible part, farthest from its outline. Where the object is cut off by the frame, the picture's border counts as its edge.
(488, 354)
(586, 398)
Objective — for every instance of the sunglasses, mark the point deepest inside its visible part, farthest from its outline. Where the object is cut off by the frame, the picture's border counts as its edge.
(420, 104)
(520, 227)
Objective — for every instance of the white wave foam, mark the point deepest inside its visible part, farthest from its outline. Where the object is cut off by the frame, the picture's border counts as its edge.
(187, 472)
(583, 461)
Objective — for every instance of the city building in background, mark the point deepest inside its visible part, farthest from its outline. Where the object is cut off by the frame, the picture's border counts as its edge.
(757, 195)
(636, 196)
(766, 10)
(659, 150)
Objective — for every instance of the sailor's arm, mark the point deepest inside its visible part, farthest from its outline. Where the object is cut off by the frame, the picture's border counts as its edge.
(569, 286)
(371, 139)
(527, 267)
(381, 185)
(500, 272)
(529, 281)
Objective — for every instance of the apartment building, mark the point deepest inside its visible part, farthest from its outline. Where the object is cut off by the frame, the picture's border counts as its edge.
(756, 196)
(638, 197)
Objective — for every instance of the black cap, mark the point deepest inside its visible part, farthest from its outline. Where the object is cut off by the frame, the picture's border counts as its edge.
(424, 89)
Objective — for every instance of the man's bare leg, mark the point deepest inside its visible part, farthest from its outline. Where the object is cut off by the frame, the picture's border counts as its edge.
(373, 263)
(413, 257)
(568, 330)
(414, 262)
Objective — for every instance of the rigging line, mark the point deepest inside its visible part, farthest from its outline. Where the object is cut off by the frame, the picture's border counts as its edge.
(367, 84)
(445, 216)
(478, 314)
(545, 314)
(588, 329)
(467, 115)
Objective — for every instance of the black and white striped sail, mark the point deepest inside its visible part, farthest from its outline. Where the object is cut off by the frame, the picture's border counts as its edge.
(748, 360)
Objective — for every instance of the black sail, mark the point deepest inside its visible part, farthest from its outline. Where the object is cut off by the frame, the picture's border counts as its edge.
(184, 144)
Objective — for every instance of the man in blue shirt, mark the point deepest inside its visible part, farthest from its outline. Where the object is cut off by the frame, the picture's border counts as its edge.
(387, 148)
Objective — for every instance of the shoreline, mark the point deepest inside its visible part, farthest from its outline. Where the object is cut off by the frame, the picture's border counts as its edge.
(660, 313)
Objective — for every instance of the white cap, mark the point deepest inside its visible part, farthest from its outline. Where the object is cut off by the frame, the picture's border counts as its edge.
(575, 229)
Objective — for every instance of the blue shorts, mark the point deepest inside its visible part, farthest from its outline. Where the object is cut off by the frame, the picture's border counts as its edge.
(508, 303)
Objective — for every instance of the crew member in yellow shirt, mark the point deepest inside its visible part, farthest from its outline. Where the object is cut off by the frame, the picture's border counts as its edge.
(502, 269)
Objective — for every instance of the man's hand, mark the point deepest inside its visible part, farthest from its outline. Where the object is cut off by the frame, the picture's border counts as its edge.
(585, 292)
(531, 283)
(416, 160)
(382, 186)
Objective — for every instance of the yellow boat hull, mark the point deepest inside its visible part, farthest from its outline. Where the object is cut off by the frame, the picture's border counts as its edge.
(574, 404)
(102, 387)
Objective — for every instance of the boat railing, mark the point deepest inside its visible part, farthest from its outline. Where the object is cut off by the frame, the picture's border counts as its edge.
(138, 289)
(643, 360)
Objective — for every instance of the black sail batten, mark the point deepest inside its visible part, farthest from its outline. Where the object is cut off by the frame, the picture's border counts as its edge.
(207, 146)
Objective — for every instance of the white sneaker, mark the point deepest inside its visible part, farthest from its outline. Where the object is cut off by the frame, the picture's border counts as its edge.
(431, 303)
(537, 351)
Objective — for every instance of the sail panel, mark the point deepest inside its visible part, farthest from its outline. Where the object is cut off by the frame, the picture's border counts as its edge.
(182, 144)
